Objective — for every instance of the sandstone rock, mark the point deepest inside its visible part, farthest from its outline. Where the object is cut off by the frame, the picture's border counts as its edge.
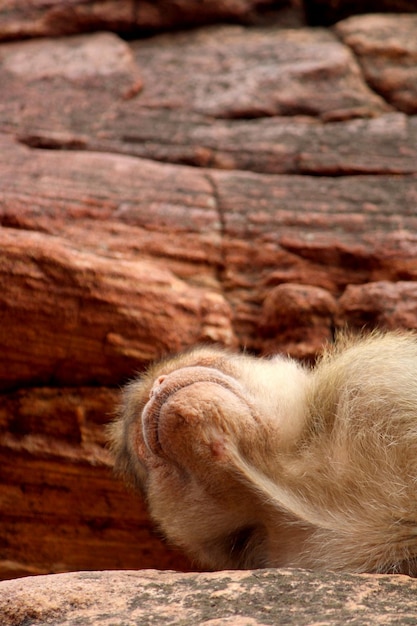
(61, 507)
(117, 207)
(235, 72)
(300, 316)
(387, 50)
(386, 144)
(248, 598)
(90, 111)
(93, 320)
(229, 237)
(380, 304)
(383, 145)
(151, 15)
(101, 62)
(18, 19)
(322, 12)
(100, 99)
(326, 232)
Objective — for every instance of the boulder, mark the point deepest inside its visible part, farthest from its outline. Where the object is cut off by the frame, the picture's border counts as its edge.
(381, 304)
(388, 57)
(302, 316)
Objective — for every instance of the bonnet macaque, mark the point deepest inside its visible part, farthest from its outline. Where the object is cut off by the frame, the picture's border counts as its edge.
(249, 462)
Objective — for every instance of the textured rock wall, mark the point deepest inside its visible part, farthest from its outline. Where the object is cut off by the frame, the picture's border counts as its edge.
(57, 17)
(253, 186)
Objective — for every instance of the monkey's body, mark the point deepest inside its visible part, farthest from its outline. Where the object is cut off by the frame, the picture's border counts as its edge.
(248, 462)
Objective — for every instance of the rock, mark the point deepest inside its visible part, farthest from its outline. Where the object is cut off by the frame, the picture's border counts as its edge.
(381, 304)
(93, 321)
(73, 285)
(101, 62)
(383, 145)
(246, 598)
(103, 105)
(152, 16)
(19, 20)
(61, 507)
(325, 12)
(104, 206)
(233, 72)
(229, 238)
(300, 316)
(386, 144)
(322, 232)
(123, 105)
(386, 48)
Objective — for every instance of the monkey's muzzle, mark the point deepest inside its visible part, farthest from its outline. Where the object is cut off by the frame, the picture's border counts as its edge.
(192, 402)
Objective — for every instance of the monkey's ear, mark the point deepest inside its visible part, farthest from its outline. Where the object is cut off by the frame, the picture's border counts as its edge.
(120, 437)
(115, 441)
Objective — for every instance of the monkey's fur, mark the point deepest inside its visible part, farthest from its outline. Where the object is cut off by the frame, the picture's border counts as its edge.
(249, 462)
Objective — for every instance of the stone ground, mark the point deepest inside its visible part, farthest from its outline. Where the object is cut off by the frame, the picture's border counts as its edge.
(245, 598)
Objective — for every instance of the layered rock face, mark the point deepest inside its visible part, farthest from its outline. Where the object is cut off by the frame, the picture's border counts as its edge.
(249, 185)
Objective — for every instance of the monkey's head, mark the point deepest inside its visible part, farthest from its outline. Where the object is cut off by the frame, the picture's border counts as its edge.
(186, 429)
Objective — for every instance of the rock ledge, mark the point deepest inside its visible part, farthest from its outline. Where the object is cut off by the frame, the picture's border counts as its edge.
(230, 597)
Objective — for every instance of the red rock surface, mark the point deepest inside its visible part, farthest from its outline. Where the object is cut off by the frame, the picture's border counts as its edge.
(254, 73)
(19, 19)
(388, 60)
(252, 186)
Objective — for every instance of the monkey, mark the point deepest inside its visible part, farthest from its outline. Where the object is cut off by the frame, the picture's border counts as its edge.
(250, 462)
